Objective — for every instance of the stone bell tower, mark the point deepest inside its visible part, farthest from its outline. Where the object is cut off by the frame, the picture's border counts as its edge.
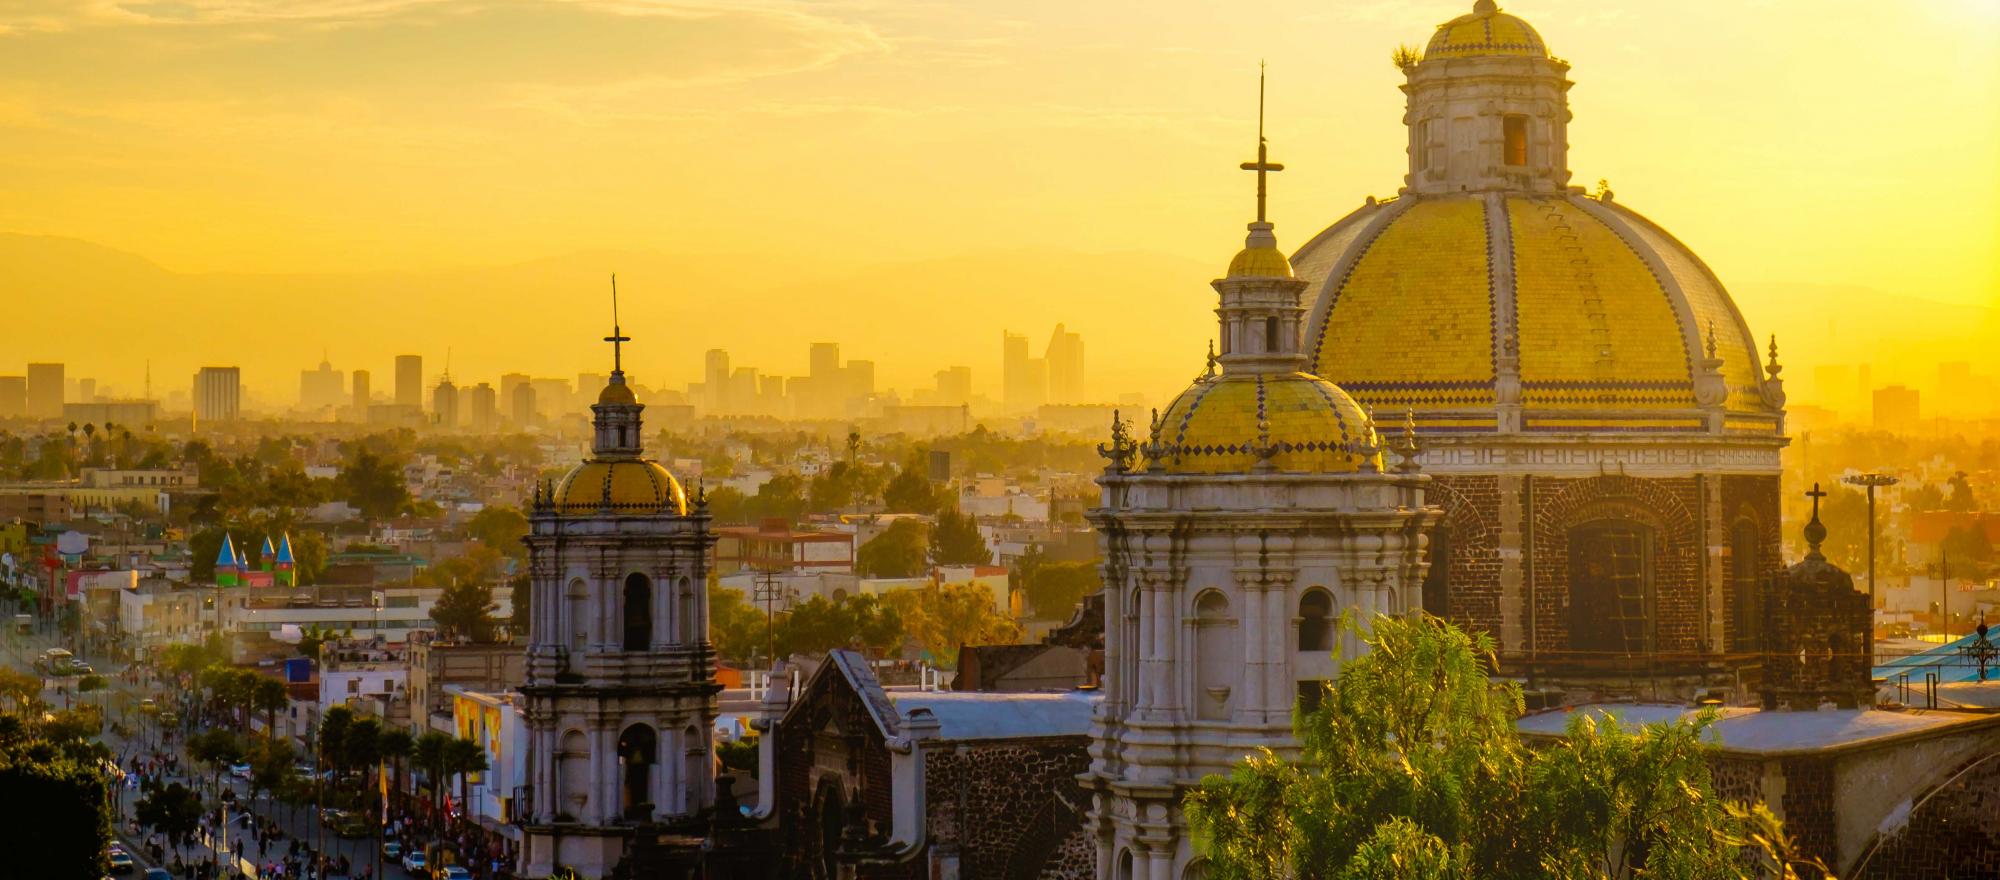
(1488, 108)
(621, 692)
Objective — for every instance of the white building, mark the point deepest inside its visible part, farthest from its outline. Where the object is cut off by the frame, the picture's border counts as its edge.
(496, 722)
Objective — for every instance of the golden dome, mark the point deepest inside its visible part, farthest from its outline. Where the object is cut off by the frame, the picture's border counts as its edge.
(1486, 31)
(616, 392)
(1308, 425)
(1612, 316)
(628, 486)
(1260, 262)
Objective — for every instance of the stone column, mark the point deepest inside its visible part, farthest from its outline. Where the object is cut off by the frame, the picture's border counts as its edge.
(1250, 705)
(1278, 649)
(1514, 607)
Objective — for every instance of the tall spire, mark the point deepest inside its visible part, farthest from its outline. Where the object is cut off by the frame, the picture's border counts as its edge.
(615, 416)
(616, 338)
(1263, 165)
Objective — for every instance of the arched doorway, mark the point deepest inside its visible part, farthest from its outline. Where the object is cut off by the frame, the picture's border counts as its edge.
(1611, 587)
(638, 612)
(638, 751)
(1746, 587)
(829, 814)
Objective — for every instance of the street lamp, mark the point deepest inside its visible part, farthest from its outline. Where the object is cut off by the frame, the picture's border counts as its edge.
(1871, 482)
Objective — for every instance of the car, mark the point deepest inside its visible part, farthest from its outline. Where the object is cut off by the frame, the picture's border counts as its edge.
(453, 872)
(392, 851)
(240, 771)
(331, 818)
(148, 706)
(121, 862)
(158, 874)
(414, 862)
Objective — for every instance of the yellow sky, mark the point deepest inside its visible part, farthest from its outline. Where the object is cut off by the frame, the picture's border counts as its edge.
(1790, 142)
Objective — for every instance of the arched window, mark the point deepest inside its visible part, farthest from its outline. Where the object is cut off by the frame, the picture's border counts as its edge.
(1746, 587)
(1316, 621)
(572, 775)
(695, 766)
(1611, 587)
(1125, 864)
(691, 626)
(1270, 335)
(578, 616)
(1516, 147)
(1437, 578)
(1217, 656)
(638, 752)
(638, 612)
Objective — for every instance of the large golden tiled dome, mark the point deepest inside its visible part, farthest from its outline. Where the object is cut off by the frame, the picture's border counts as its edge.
(1486, 31)
(1612, 317)
(1225, 425)
(629, 486)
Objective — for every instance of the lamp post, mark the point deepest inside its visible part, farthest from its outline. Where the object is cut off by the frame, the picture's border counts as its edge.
(1871, 482)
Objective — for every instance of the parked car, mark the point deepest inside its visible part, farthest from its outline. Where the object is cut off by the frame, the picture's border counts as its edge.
(121, 861)
(332, 818)
(414, 862)
(158, 874)
(392, 850)
(453, 872)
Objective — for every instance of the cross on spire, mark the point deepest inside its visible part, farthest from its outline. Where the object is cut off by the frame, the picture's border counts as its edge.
(616, 338)
(1263, 165)
(1815, 495)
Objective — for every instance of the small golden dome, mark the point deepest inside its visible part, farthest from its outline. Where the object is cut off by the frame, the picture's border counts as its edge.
(617, 392)
(1486, 31)
(1300, 422)
(1260, 262)
(632, 487)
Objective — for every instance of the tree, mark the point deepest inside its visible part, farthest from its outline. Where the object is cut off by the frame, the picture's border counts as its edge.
(818, 625)
(1962, 497)
(521, 592)
(431, 753)
(21, 690)
(501, 528)
(311, 637)
(373, 484)
(1054, 588)
(955, 540)
(463, 757)
(943, 619)
(1411, 767)
(465, 611)
(270, 765)
(217, 749)
(269, 695)
(58, 800)
(735, 627)
(173, 811)
(910, 491)
(395, 744)
(898, 552)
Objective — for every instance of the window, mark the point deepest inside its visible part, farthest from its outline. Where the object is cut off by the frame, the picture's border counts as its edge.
(1312, 692)
(1316, 621)
(1516, 147)
(1270, 335)
(638, 612)
(1746, 586)
(1610, 587)
(1437, 578)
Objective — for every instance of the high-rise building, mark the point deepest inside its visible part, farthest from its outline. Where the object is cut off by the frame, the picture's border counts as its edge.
(86, 391)
(954, 386)
(715, 382)
(444, 405)
(218, 394)
(1065, 357)
(825, 383)
(860, 383)
(45, 391)
(1895, 408)
(322, 388)
(361, 392)
(552, 397)
(522, 403)
(482, 405)
(583, 396)
(1024, 381)
(410, 380)
(13, 397)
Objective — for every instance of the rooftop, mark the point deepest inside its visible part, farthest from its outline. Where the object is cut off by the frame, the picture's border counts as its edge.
(1003, 716)
(1756, 731)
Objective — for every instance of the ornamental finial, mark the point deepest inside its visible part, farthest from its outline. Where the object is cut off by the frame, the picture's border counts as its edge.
(1121, 450)
(1772, 369)
(1211, 361)
(1711, 340)
(1408, 449)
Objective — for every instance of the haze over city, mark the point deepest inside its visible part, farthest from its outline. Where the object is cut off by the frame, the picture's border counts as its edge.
(267, 181)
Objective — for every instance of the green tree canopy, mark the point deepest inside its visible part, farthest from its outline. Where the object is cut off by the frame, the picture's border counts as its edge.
(501, 528)
(465, 610)
(955, 540)
(735, 626)
(1411, 767)
(818, 625)
(898, 552)
(1053, 588)
(910, 490)
(943, 619)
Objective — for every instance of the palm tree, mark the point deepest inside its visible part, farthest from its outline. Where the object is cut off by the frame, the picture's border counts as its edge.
(395, 745)
(269, 694)
(362, 750)
(430, 753)
(465, 757)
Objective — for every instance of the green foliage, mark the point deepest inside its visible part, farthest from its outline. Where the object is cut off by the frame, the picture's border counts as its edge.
(817, 626)
(735, 626)
(739, 756)
(1967, 547)
(270, 764)
(521, 593)
(501, 528)
(1411, 767)
(898, 552)
(911, 490)
(955, 540)
(23, 692)
(940, 620)
(1053, 588)
(173, 811)
(466, 611)
(374, 484)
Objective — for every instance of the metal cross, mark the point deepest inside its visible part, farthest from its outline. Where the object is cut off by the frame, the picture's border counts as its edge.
(616, 338)
(1815, 495)
(1263, 165)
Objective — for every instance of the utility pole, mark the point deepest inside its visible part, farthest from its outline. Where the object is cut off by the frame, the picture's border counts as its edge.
(1871, 482)
(1944, 594)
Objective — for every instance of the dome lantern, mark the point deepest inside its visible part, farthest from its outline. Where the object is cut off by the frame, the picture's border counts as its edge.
(1260, 313)
(1488, 109)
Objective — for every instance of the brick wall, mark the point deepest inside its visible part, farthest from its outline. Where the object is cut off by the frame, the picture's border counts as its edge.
(1012, 808)
(1752, 499)
(1809, 807)
(1954, 834)
(1471, 521)
(1665, 505)
(863, 775)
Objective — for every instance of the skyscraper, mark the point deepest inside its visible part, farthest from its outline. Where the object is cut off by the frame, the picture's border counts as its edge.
(825, 382)
(444, 405)
(522, 403)
(13, 397)
(361, 392)
(45, 391)
(715, 382)
(1024, 381)
(482, 404)
(954, 386)
(410, 380)
(321, 388)
(218, 394)
(1065, 357)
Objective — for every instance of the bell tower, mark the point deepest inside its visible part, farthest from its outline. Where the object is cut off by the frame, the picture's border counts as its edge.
(1488, 108)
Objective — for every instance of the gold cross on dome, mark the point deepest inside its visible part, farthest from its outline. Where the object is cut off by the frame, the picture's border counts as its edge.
(616, 338)
(1263, 165)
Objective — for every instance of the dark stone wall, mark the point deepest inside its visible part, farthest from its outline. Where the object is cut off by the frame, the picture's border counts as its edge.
(1754, 500)
(1809, 807)
(862, 775)
(1012, 808)
(1668, 506)
(1954, 834)
(1471, 522)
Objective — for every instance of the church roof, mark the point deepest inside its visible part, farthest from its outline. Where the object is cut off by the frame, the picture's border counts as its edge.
(1772, 732)
(628, 486)
(1486, 31)
(985, 715)
(1226, 424)
(1419, 299)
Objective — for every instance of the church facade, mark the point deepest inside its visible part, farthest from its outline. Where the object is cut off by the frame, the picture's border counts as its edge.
(620, 692)
(1602, 427)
